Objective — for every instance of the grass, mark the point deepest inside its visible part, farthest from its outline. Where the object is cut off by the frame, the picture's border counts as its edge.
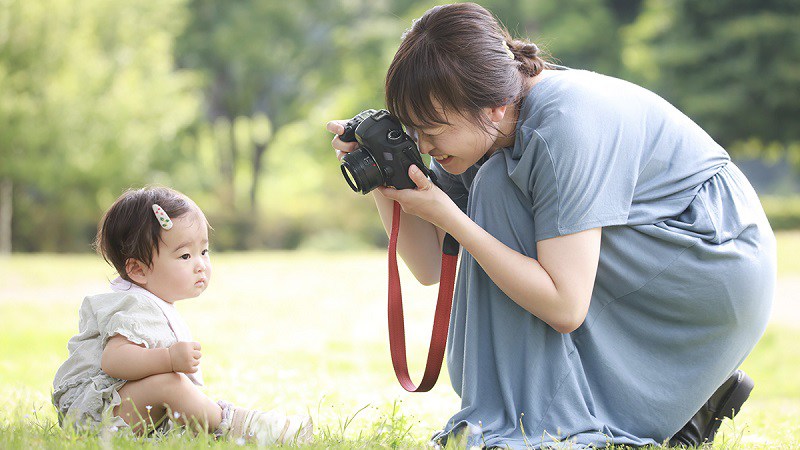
(306, 332)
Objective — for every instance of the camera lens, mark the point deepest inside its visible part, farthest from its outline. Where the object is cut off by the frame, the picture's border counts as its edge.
(361, 171)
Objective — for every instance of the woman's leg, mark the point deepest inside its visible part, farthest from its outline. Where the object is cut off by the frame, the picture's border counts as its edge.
(167, 389)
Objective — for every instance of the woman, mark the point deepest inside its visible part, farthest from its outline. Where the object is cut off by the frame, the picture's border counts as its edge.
(617, 266)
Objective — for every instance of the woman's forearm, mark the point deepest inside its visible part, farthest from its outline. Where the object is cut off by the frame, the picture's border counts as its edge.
(128, 361)
(418, 243)
(521, 278)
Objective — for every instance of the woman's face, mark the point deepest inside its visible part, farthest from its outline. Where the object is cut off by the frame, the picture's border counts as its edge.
(457, 145)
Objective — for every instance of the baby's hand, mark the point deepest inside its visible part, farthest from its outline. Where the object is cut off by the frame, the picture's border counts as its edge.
(185, 356)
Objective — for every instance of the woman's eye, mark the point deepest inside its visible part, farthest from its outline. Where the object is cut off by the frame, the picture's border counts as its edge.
(185, 256)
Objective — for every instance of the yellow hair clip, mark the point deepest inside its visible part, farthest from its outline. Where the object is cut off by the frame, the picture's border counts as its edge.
(508, 50)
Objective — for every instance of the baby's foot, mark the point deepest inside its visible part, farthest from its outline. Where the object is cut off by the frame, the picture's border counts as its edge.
(264, 427)
(273, 427)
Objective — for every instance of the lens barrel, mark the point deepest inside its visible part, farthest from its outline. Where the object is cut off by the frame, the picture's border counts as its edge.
(361, 171)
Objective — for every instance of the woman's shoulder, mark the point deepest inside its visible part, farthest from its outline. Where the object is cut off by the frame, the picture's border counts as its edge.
(574, 101)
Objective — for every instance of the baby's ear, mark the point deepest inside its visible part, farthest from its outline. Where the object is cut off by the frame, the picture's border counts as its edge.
(136, 271)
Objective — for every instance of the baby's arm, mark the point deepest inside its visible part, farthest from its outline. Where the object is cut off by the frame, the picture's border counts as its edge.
(128, 361)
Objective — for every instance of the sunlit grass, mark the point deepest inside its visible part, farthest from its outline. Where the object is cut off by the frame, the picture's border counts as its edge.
(789, 253)
(305, 332)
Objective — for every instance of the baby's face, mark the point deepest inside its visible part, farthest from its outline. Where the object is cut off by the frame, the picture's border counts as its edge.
(182, 267)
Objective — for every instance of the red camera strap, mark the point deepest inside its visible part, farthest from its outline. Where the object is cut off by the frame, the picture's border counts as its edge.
(441, 319)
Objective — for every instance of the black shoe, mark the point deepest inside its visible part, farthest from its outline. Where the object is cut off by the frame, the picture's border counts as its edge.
(726, 402)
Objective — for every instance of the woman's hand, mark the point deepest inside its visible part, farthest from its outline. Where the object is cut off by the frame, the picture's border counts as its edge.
(342, 148)
(427, 201)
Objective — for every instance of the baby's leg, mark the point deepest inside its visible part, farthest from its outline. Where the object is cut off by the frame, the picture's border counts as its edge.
(167, 389)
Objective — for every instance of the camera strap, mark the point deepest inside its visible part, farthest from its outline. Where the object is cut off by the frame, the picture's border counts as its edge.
(441, 318)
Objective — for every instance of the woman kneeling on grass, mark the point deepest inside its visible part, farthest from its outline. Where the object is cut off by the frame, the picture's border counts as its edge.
(617, 266)
(134, 359)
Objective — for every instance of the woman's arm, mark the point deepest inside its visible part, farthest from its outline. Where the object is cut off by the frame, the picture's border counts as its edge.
(556, 288)
(128, 361)
(419, 243)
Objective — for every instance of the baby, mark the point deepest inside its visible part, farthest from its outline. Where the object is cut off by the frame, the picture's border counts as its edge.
(134, 359)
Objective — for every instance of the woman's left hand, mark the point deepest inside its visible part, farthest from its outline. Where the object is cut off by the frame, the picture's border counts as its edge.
(427, 201)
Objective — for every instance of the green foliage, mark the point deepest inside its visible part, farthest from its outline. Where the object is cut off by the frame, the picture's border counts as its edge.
(583, 34)
(783, 212)
(733, 65)
(86, 109)
(227, 101)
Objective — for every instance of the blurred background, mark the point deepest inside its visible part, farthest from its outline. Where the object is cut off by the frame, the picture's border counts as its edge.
(227, 102)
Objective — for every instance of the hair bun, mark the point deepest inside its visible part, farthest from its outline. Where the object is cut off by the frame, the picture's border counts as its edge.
(527, 49)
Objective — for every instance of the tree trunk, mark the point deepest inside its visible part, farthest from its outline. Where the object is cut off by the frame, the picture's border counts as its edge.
(258, 154)
(6, 197)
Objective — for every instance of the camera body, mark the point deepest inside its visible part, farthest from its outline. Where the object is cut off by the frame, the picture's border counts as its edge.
(384, 155)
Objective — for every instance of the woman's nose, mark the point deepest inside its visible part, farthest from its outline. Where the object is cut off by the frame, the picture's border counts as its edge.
(424, 145)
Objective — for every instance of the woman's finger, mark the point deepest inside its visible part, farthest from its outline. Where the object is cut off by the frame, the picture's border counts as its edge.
(335, 126)
(419, 178)
(390, 193)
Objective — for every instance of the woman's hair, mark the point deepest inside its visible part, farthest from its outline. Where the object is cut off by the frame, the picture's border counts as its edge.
(130, 229)
(460, 56)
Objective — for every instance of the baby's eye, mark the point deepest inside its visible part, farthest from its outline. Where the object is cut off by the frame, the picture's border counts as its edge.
(185, 256)
(205, 252)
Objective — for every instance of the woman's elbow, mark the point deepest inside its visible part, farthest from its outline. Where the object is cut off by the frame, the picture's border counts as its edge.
(570, 321)
(427, 277)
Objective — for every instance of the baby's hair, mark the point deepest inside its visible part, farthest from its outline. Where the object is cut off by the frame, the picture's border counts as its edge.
(130, 229)
(462, 57)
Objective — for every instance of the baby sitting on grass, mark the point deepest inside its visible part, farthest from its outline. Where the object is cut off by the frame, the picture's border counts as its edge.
(134, 363)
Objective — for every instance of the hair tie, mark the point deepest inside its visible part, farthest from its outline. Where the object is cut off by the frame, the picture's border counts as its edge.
(508, 50)
(163, 218)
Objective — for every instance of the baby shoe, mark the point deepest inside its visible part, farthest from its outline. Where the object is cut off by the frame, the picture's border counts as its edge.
(264, 427)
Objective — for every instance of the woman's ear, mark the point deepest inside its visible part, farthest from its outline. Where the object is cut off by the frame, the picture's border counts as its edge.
(137, 271)
(497, 113)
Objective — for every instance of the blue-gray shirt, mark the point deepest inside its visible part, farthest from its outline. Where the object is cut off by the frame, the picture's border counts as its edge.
(684, 281)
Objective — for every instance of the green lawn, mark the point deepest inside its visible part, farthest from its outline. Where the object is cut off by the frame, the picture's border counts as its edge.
(305, 332)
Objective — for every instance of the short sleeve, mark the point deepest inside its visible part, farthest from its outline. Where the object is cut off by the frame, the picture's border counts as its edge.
(577, 176)
(134, 317)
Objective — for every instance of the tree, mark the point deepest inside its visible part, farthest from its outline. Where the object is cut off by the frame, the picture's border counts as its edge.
(89, 101)
(732, 65)
(273, 63)
(582, 34)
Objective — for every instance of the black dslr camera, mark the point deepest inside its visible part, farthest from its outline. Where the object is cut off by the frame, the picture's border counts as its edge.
(384, 155)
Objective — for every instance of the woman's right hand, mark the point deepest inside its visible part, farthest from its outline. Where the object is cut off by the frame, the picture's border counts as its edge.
(342, 148)
(185, 356)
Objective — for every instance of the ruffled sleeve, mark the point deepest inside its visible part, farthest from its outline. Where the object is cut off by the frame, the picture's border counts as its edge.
(133, 316)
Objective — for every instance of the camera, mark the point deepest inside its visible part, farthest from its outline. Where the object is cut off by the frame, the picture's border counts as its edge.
(384, 155)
